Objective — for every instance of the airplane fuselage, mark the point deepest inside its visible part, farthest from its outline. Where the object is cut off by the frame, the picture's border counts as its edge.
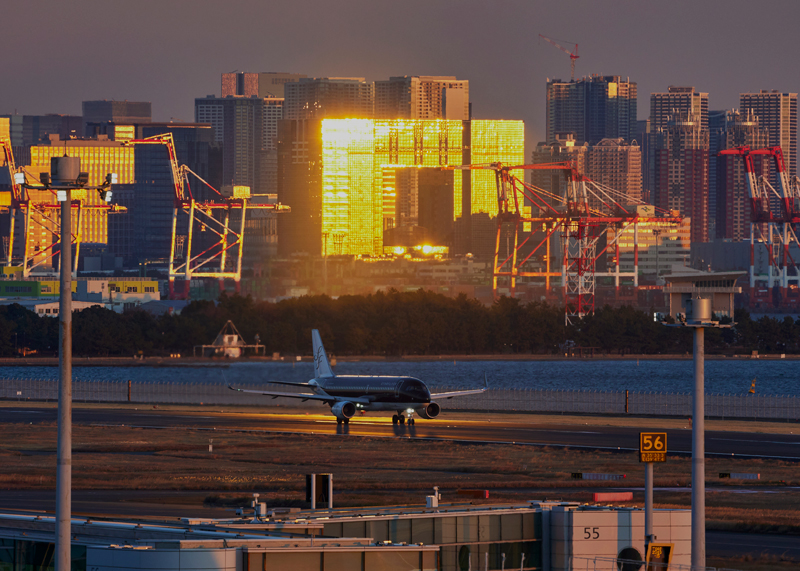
(383, 393)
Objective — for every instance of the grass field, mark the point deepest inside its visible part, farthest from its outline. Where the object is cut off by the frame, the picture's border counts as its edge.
(375, 471)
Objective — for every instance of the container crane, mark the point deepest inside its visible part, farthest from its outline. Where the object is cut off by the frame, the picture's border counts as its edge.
(202, 214)
(573, 55)
(581, 217)
(46, 219)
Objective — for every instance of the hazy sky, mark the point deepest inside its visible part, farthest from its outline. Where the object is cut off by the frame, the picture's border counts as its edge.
(57, 54)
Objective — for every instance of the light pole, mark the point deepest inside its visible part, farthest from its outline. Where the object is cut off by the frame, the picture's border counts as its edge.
(699, 321)
(657, 233)
(64, 177)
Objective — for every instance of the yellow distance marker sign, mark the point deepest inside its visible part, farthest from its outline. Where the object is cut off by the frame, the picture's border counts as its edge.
(652, 447)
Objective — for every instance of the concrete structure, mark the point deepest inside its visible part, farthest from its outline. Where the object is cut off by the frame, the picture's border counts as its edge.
(422, 97)
(684, 284)
(593, 108)
(680, 170)
(261, 85)
(729, 201)
(329, 97)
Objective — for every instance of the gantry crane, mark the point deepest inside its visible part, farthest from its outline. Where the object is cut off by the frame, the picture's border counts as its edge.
(582, 217)
(203, 213)
(573, 55)
(40, 212)
(775, 230)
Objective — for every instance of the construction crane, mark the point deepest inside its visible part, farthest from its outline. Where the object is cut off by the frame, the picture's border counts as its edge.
(212, 215)
(582, 217)
(573, 55)
(39, 213)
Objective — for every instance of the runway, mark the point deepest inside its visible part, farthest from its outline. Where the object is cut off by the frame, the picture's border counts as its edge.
(479, 428)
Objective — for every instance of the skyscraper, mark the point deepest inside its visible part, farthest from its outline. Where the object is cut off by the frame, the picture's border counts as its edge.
(329, 98)
(562, 149)
(343, 202)
(594, 108)
(265, 84)
(246, 136)
(617, 164)
(422, 97)
(777, 113)
(680, 151)
(732, 205)
(663, 106)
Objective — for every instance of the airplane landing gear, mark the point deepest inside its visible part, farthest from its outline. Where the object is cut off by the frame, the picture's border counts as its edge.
(399, 419)
(340, 421)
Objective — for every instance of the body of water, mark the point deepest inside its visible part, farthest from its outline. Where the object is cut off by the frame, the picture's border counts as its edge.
(728, 376)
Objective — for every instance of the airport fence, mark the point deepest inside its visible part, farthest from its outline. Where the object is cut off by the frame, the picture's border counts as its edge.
(747, 406)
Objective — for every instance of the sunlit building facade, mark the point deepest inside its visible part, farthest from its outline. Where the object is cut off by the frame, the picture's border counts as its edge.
(661, 245)
(98, 158)
(359, 198)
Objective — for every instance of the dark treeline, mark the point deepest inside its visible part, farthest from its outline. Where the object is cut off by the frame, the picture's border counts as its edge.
(392, 323)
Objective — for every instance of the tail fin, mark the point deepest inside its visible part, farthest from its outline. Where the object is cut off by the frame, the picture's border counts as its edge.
(322, 368)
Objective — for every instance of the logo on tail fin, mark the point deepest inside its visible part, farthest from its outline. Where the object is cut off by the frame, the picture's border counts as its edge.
(321, 366)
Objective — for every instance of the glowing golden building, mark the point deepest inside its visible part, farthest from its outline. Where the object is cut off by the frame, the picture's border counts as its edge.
(98, 158)
(361, 157)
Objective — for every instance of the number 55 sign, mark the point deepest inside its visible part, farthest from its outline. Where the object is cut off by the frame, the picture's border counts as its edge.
(652, 447)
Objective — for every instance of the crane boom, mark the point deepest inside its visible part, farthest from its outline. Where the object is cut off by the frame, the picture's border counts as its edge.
(573, 55)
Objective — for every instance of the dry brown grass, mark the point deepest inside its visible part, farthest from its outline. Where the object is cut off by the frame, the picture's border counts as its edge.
(376, 471)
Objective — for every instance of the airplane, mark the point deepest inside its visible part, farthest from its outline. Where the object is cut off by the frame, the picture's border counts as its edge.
(348, 394)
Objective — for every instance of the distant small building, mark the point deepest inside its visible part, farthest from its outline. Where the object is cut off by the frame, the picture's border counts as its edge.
(684, 283)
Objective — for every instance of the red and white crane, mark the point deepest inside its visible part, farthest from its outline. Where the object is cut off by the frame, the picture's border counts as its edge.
(573, 55)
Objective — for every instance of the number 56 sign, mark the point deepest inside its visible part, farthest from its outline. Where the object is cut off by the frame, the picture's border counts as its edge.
(652, 447)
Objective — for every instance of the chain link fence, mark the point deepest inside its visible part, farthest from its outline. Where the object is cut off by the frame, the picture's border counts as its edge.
(747, 406)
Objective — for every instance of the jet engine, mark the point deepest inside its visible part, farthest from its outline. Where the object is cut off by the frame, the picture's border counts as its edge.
(343, 410)
(431, 411)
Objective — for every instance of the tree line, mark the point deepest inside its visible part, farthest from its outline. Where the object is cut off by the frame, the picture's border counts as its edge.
(385, 323)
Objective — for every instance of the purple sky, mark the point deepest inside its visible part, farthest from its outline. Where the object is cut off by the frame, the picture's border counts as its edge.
(57, 54)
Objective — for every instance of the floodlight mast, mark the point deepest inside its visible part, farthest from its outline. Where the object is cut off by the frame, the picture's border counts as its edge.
(65, 177)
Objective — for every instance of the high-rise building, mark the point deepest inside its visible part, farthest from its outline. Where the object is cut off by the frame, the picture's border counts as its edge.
(732, 205)
(246, 137)
(126, 112)
(617, 164)
(593, 108)
(422, 97)
(262, 85)
(360, 189)
(680, 151)
(663, 106)
(777, 113)
(329, 98)
(564, 148)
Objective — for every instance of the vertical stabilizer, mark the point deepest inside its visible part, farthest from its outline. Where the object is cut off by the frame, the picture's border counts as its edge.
(322, 368)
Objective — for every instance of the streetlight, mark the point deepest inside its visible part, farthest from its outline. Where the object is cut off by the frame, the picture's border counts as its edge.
(657, 233)
(699, 321)
(65, 176)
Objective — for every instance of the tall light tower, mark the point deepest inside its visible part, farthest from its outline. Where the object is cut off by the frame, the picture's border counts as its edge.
(64, 178)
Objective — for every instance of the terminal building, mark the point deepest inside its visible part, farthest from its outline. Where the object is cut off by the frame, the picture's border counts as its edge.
(534, 536)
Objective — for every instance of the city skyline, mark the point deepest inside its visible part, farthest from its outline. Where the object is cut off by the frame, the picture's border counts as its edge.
(177, 57)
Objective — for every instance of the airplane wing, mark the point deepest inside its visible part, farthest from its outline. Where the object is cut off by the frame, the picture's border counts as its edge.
(462, 393)
(290, 383)
(304, 396)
